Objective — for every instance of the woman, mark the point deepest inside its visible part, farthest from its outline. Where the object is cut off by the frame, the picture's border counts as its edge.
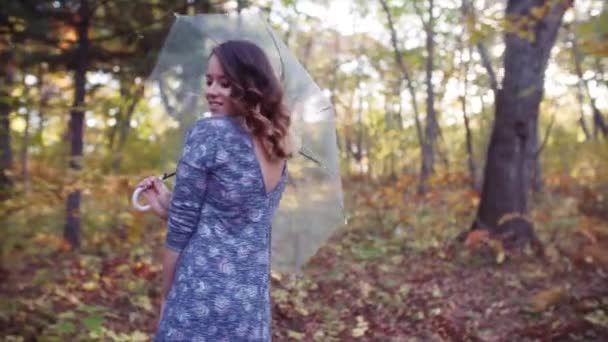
(229, 182)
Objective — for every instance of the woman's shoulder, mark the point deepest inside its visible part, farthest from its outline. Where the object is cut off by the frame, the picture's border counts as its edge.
(213, 126)
(214, 121)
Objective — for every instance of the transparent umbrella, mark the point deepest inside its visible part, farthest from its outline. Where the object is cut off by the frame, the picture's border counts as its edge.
(312, 205)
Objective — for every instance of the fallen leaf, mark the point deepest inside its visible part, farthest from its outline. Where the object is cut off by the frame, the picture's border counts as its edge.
(295, 335)
(547, 298)
(475, 237)
(90, 286)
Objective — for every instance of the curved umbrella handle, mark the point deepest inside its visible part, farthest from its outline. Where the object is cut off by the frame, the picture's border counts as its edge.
(135, 199)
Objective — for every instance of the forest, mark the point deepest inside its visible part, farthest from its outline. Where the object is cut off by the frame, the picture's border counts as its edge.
(472, 144)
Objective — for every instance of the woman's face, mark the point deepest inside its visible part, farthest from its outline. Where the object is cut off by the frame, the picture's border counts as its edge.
(218, 88)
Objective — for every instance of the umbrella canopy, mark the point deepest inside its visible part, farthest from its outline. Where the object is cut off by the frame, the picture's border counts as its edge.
(312, 205)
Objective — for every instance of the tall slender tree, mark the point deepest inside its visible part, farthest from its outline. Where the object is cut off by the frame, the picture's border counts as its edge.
(432, 125)
(6, 80)
(406, 75)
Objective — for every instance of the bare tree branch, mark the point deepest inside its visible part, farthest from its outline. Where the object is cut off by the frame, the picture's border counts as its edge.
(467, 10)
(545, 138)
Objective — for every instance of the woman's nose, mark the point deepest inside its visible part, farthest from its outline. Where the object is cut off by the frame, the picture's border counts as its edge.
(212, 89)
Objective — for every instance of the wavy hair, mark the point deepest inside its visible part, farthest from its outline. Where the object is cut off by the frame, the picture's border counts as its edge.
(256, 95)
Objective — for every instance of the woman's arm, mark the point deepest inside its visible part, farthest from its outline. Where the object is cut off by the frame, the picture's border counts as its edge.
(170, 258)
(187, 199)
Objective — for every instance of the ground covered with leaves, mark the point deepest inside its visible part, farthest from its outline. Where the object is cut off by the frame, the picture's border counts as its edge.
(396, 272)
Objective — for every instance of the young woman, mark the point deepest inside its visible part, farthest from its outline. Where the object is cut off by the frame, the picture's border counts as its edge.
(229, 182)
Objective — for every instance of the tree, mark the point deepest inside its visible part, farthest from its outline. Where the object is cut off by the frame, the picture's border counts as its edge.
(531, 30)
(599, 125)
(87, 40)
(6, 157)
(463, 101)
(406, 75)
(432, 126)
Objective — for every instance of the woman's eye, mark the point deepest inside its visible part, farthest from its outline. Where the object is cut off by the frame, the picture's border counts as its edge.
(209, 83)
(225, 84)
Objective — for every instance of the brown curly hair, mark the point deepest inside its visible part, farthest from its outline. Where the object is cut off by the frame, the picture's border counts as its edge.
(257, 95)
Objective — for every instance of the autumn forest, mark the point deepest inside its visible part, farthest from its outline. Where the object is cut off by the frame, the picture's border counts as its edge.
(472, 140)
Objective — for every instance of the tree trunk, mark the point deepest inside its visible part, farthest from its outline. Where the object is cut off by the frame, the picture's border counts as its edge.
(125, 124)
(76, 124)
(24, 148)
(468, 136)
(359, 138)
(410, 86)
(537, 177)
(428, 149)
(241, 5)
(598, 120)
(334, 84)
(45, 94)
(6, 157)
(504, 197)
(579, 91)
(581, 105)
(599, 125)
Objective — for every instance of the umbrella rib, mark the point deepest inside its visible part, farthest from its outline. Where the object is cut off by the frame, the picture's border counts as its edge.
(276, 45)
(306, 153)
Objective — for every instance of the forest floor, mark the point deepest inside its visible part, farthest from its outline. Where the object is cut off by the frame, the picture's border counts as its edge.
(394, 273)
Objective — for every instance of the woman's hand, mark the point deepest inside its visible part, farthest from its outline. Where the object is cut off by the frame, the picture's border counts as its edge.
(157, 195)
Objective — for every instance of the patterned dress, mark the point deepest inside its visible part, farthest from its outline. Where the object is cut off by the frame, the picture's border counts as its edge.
(220, 222)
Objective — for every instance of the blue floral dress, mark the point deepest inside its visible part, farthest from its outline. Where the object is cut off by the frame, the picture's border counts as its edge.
(220, 222)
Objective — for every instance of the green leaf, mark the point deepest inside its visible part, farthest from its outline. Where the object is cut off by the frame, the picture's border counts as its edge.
(90, 308)
(65, 327)
(368, 252)
(93, 322)
(67, 315)
(527, 91)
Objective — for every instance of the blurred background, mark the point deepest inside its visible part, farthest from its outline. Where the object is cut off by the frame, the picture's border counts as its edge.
(474, 158)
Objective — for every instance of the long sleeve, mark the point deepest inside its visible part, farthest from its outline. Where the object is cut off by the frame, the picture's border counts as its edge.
(197, 161)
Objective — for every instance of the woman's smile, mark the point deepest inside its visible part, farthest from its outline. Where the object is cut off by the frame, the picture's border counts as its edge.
(218, 88)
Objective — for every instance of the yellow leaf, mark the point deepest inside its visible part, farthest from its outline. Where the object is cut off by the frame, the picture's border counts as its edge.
(538, 12)
(280, 295)
(442, 255)
(295, 335)
(359, 331)
(500, 257)
(275, 276)
(404, 290)
(302, 311)
(70, 297)
(499, 249)
(361, 327)
(365, 288)
(89, 286)
(319, 335)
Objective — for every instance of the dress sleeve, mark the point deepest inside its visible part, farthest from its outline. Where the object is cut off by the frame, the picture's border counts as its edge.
(197, 160)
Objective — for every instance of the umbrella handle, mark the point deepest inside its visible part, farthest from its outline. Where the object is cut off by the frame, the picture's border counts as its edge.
(135, 198)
